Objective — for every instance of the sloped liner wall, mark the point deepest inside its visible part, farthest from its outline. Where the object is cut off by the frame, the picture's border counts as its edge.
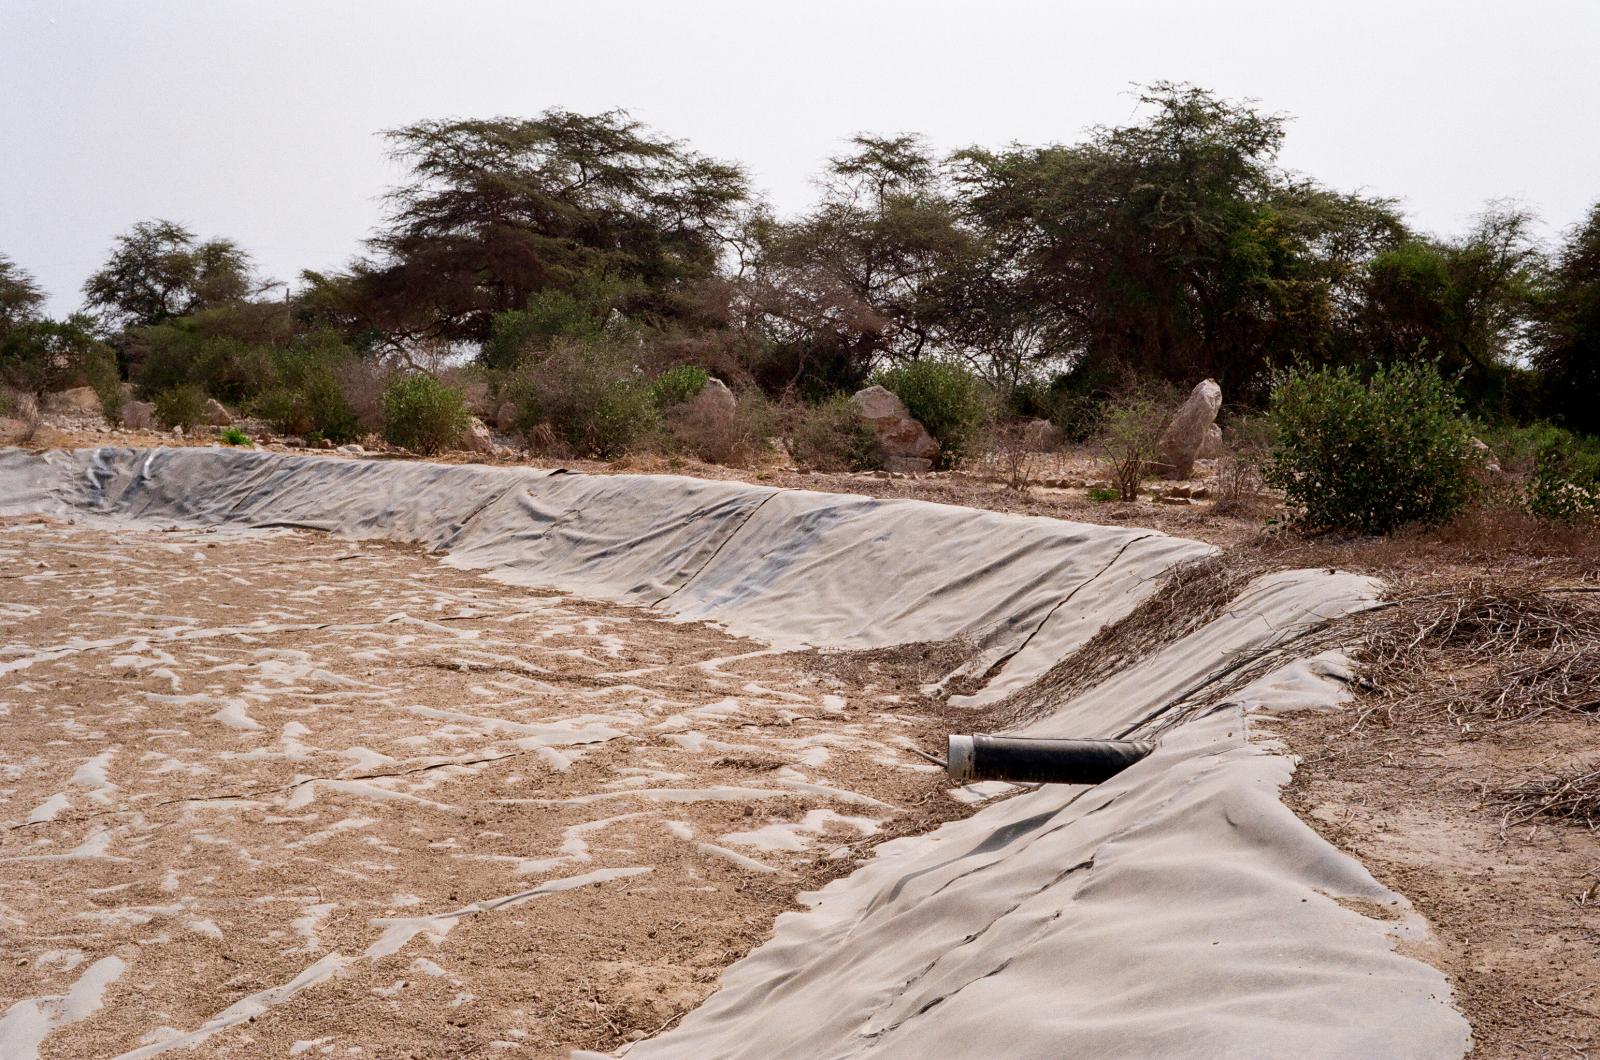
(1177, 910)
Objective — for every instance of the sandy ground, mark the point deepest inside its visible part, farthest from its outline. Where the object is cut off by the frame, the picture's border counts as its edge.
(1514, 909)
(274, 793)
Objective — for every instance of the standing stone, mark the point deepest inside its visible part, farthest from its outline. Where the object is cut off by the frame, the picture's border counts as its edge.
(907, 446)
(216, 415)
(1211, 448)
(138, 415)
(1186, 434)
(476, 438)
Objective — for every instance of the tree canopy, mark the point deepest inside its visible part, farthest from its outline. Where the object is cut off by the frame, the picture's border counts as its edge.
(1567, 331)
(1172, 247)
(159, 271)
(20, 296)
(499, 209)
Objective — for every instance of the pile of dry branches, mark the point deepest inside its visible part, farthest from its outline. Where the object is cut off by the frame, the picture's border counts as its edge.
(1572, 795)
(1484, 654)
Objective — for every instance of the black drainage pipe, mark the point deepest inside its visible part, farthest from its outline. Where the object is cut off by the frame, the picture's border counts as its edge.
(979, 757)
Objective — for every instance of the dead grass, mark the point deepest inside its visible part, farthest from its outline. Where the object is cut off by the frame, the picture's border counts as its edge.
(1192, 595)
(1571, 795)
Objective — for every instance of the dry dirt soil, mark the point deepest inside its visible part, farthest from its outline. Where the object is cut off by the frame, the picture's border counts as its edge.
(275, 793)
(1514, 907)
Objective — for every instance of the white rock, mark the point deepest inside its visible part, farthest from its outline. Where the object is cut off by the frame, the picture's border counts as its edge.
(907, 446)
(216, 415)
(80, 400)
(476, 438)
(1186, 434)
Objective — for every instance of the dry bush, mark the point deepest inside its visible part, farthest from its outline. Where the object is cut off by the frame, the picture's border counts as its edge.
(832, 436)
(363, 382)
(22, 409)
(1009, 454)
(1240, 488)
(1129, 437)
(1570, 795)
(710, 432)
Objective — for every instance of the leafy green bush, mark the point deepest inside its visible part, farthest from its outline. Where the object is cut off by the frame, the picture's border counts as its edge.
(233, 436)
(1565, 484)
(181, 406)
(1370, 453)
(833, 436)
(1103, 494)
(588, 400)
(316, 404)
(42, 356)
(677, 385)
(583, 313)
(422, 414)
(945, 397)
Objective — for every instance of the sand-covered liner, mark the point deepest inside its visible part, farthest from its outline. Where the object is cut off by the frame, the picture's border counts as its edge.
(1177, 910)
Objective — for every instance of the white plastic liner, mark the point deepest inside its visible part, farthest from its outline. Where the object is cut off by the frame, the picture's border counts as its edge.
(1177, 910)
(788, 566)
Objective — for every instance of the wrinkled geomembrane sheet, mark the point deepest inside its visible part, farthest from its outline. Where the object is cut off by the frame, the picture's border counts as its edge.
(1177, 910)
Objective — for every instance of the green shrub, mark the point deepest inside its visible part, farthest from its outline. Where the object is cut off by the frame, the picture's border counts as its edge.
(1129, 438)
(833, 436)
(945, 397)
(1370, 453)
(1103, 494)
(677, 385)
(422, 414)
(42, 356)
(233, 436)
(1565, 484)
(181, 406)
(315, 405)
(228, 369)
(584, 313)
(588, 400)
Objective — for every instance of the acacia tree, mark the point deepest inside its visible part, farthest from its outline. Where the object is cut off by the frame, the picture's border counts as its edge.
(20, 296)
(862, 276)
(1466, 303)
(500, 209)
(160, 271)
(1175, 245)
(1568, 329)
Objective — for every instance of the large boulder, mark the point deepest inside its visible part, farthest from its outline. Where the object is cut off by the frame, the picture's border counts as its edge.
(138, 415)
(907, 446)
(79, 401)
(1186, 434)
(216, 415)
(476, 438)
(1211, 448)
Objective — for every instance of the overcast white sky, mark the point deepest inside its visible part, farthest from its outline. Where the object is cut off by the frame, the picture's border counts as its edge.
(258, 120)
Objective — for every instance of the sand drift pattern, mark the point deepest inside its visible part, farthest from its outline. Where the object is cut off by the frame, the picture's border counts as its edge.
(274, 787)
